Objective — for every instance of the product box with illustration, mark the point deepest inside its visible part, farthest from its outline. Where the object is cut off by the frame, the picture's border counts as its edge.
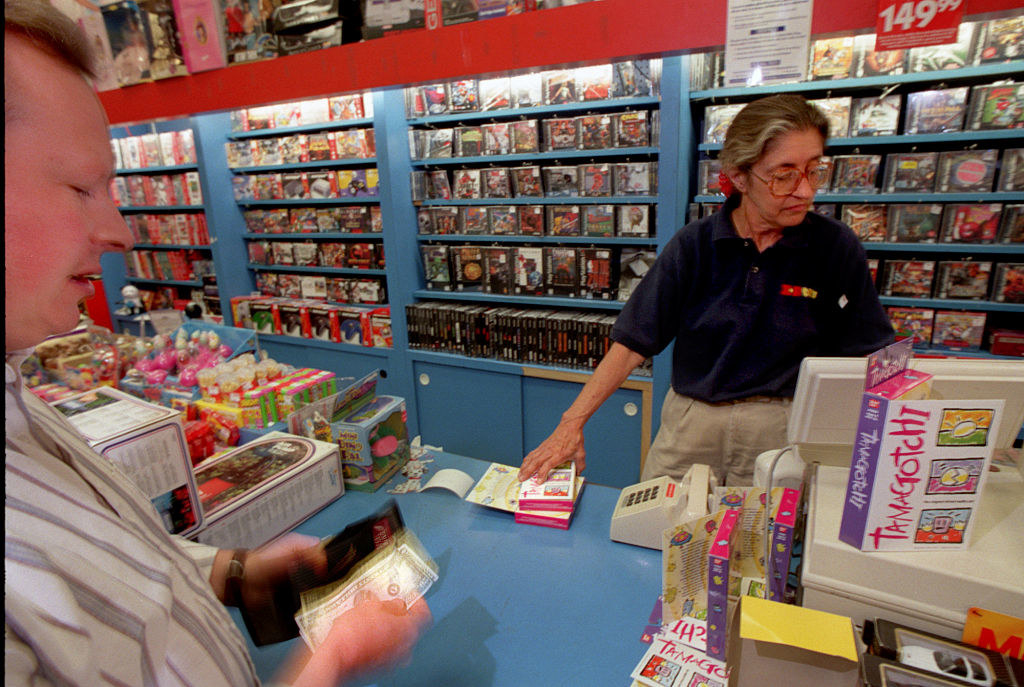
(918, 468)
(260, 490)
(369, 429)
(147, 442)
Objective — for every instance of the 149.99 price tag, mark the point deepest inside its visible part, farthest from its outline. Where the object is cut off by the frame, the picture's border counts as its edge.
(913, 23)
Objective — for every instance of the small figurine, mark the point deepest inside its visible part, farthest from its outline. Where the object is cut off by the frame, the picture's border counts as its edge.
(131, 299)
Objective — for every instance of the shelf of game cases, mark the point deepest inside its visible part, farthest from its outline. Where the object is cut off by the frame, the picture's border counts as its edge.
(172, 246)
(568, 240)
(316, 269)
(167, 282)
(327, 345)
(536, 301)
(312, 235)
(332, 125)
(954, 137)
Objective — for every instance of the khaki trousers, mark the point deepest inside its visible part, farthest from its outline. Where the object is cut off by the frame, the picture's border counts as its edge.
(727, 436)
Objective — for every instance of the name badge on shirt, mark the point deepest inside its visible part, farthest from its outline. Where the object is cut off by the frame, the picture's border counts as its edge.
(798, 291)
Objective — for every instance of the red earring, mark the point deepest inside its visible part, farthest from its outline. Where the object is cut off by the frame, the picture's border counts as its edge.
(725, 183)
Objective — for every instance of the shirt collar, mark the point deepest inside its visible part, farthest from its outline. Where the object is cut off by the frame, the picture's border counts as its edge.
(723, 228)
(14, 359)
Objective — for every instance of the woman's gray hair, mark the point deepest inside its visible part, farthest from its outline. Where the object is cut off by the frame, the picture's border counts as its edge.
(764, 120)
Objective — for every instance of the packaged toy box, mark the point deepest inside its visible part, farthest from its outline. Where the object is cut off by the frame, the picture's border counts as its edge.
(918, 466)
(370, 430)
(147, 442)
(260, 490)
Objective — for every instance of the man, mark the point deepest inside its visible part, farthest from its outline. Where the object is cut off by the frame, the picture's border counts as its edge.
(95, 589)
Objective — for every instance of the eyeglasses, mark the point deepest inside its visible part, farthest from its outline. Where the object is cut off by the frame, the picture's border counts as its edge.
(783, 182)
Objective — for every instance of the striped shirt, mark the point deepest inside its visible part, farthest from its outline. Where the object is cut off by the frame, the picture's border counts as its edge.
(97, 592)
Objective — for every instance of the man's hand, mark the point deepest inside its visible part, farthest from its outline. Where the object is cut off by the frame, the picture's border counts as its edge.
(564, 444)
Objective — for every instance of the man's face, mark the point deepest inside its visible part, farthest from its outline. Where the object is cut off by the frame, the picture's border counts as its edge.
(58, 214)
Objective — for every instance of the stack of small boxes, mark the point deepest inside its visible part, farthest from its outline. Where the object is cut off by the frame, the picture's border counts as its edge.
(551, 503)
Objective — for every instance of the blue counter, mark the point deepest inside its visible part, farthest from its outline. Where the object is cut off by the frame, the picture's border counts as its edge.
(515, 604)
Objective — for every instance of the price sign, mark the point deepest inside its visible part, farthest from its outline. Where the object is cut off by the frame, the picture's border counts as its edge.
(913, 23)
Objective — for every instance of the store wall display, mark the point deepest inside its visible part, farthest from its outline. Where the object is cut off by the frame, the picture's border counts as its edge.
(927, 173)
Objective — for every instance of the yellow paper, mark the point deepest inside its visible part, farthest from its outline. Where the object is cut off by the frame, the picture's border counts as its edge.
(804, 628)
(996, 631)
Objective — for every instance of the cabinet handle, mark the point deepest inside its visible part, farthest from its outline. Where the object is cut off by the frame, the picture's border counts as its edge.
(630, 409)
(424, 379)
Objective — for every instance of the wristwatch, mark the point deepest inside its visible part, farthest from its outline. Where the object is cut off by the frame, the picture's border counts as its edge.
(234, 577)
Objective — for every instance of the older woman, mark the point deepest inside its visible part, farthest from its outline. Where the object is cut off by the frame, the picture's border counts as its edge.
(745, 294)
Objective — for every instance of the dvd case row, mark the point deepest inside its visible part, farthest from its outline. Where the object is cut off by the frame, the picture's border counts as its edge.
(368, 290)
(139, 190)
(177, 265)
(356, 324)
(949, 171)
(187, 228)
(353, 219)
(934, 111)
(535, 181)
(585, 132)
(625, 79)
(954, 330)
(348, 144)
(932, 222)
(846, 57)
(343, 183)
(593, 272)
(362, 255)
(600, 220)
(979, 280)
(303, 113)
(166, 149)
(566, 338)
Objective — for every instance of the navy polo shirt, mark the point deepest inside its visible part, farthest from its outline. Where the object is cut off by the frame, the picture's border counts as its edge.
(742, 320)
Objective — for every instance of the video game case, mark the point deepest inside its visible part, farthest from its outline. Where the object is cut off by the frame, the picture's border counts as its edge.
(595, 179)
(495, 94)
(631, 129)
(561, 133)
(526, 181)
(837, 111)
(417, 144)
(595, 132)
(498, 269)
(468, 267)
(596, 271)
(473, 220)
(908, 278)
(717, 119)
(945, 56)
(633, 220)
(967, 279)
(563, 220)
(445, 220)
(1011, 174)
(468, 141)
(424, 221)
(529, 271)
(831, 58)
(634, 263)
(707, 177)
(502, 219)
(594, 82)
(999, 40)
(855, 173)
(631, 178)
(874, 116)
(437, 270)
(958, 330)
(914, 223)
(871, 62)
(867, 220)
(998, 106)
(971, 222)
(438, 143)
(531, 220)
(636, 78)
(963, 171)
(437, 185)
(914, 323)
(825, 209)
(497, 138)
(598, 220)
(496, 183)
(526, 90)
(559, 87)
(467, 184)
(463, 96)
(525, 136)
(910, 172)
(1011, 229)
(936, 111)
(561, 181)
(1008, 283)
(560, 271)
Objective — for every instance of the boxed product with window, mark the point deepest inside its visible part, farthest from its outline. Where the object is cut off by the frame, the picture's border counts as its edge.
(260, 490)
(147, 442)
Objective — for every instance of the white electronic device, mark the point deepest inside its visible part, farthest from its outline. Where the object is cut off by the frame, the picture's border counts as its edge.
(647, 508)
